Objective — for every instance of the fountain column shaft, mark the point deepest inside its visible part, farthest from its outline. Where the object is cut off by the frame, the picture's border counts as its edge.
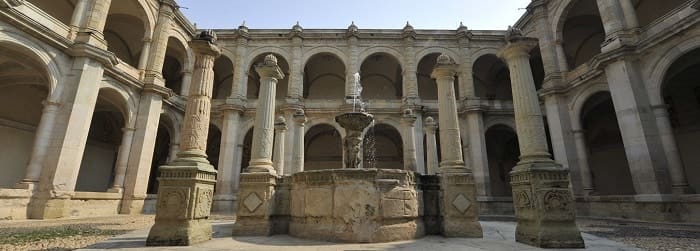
(451, 147)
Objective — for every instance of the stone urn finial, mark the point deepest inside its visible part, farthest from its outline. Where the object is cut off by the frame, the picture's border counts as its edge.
(207, 35)
(353, 31)
(463, 31)
(444, 59)
(270, 59)
(408, 31)
(243, 30)
(513, 33)
(297, 27)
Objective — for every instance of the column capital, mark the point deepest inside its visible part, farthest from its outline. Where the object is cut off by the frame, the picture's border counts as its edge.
(430, 125)
(269, 68)
(280, 124)
(300, 117)
(408, 117)
(517, 47)
(205, 44)
(446, 67)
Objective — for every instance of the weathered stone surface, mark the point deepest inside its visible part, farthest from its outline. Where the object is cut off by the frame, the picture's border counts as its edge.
(458, 206)
(355, 205)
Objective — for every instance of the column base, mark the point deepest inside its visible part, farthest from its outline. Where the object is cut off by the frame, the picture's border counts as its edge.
(44, 209)
(185, 195)
(256, 205)
(459, 208)
(224, 204)
(179, 233)
(115, 190)
(544, 206)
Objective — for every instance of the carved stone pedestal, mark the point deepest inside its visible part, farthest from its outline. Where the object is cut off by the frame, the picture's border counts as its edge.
(544, 206)
(184, 202)
(256, 205)
(458, 206)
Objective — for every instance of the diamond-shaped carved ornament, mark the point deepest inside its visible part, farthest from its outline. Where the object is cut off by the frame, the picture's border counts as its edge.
(461, 203)
(252, 202)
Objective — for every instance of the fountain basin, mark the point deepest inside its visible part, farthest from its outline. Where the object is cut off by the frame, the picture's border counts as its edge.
(354, 121)
(356, 205)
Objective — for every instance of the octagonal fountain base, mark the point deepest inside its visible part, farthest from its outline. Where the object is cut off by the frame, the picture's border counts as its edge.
(356, 205)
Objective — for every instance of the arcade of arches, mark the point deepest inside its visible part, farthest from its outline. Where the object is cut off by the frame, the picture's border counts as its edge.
(96, 126)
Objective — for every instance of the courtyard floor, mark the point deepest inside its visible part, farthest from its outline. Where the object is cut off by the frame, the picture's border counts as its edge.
(129, 232)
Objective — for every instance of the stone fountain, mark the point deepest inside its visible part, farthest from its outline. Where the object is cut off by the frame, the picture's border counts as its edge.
(353, 204)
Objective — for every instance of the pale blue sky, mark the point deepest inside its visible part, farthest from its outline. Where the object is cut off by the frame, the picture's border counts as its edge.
(369, 14)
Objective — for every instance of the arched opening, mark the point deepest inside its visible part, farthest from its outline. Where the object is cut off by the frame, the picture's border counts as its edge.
(213, 145)
(324, 77)
(125, 30)
(174, 65)
(24, 85)
(223, 77)
(491, 78)
(161, 156)
(583, 33)
(104, 138)
(503, 154)
(681, 92)
(323, 148)
(606, 151)
(649, 11)
(383, 148)
(62, 10)
(254, 78)
(381, 77)
(427, 87)
(247, 146)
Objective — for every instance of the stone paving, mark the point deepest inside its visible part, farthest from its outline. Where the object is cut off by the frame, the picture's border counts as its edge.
(497, 236)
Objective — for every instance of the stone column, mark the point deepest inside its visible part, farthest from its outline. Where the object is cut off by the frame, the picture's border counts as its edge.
(466, 79)
(40, 147)
(174, 148)
(585, 169)
(430, 127)
(478, 153)
(92, 30)
(278, 151)
(186, 186)
(675, 164)
(77, 18)
(256, 195)
(145, 55)
(612, 17)
(544, 204)
(295, 90)
(459, 207)
(122, 160)
(298, 159)
(149, 110)
(410, 79)
(186, 81)
(352, 35)
(229, 169)
(263, 132)
(408, 120)
(631, 21)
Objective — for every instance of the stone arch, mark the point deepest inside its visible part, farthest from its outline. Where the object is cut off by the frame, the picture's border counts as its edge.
(261, 52)
(381, 49)
(328, 69)
(382, 75)
(580, 28)
(323, 148)
(606, 152)
(439, 50)
(128, 23)
(500, 120)
(314, 121)
(491, 78)
(681, 96)
(663, 64)
(24, 86)
(33, 51)
(96, 173)
(577, 102)
(124, 99)
(254, 79)
(383, 147)
(427, 87)
(224, 80)
(325, 49)
(503, 154)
